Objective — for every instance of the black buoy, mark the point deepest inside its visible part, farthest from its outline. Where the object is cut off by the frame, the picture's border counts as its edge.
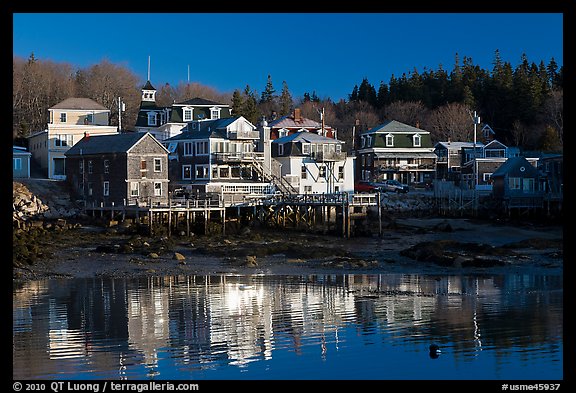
(434, 351)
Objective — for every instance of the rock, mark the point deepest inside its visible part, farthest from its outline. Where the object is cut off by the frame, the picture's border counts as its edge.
(153, 255)
(179, 257)
(250, 261)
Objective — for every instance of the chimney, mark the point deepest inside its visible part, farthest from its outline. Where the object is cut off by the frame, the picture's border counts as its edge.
(86, 135)
(297, 114)
(417, 123)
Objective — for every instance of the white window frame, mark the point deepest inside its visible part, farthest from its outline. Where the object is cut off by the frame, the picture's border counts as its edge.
(106, 188)
(368, 140)
(189, 167)
(214, 113)
(486, 177)
(151, 118)
(205, 171)
(282, 132)
(305, 148)
(389, 140)
(157, 165)
(515, 183)
(338, 148)
(63, 117)
(363, 141)
(202, 148)
(157, 188)
(134, 189)
(187, 114)
(417, 140)
(17, 163)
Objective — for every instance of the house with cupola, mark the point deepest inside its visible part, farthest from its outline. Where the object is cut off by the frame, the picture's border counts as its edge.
(394, 150)
(69, 121)
(165, 122)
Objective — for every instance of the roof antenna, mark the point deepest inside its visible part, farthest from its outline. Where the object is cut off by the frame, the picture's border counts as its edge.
(188, 73)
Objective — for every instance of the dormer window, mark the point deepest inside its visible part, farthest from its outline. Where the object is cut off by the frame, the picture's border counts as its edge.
(363, 141)
(369, 141)
(63, 117)
(389, 140)
(416, 140)
(187, 114)
(282, 133)
(214, 113)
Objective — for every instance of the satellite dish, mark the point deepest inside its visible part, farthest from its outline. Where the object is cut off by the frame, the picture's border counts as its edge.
(200, 115)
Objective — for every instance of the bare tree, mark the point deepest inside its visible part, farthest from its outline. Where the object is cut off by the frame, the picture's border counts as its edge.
(554, 111)
(187, 91)
(450, 122)
(407, 112)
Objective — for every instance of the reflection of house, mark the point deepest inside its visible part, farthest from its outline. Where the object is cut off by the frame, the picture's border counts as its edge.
(217, 156)
(123, 168)
(20, 162)
(69, 121)
(395, 150)
(312, 163)
(516, 184)
(167, 122)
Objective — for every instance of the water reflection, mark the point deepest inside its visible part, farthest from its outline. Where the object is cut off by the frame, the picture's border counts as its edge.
(289, 327)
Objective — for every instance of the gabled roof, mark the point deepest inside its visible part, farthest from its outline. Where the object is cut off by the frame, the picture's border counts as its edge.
(458, 145)
(215, 128)
(79, 103)
(306, 137)
(200, 101)
(514, 165)
(104, 144)
(394, 126)
(494, 144)
(289, 122)
(20, 150)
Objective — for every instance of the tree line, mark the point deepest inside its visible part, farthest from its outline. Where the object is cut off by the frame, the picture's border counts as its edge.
(522, 104)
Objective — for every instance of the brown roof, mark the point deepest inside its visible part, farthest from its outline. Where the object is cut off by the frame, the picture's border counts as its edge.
(79, 103)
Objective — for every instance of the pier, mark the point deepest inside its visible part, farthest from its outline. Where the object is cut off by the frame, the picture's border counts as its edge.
(334, 213)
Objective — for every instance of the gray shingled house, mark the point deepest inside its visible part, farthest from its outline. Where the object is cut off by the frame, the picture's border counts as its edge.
(128, 168)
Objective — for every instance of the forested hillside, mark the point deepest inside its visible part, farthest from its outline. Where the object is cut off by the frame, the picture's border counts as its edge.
(523, 104)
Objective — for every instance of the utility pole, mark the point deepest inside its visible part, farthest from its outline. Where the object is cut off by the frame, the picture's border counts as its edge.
(121, 108)
(476, 122)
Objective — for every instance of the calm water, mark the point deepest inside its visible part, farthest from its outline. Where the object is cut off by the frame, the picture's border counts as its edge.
(290, 327)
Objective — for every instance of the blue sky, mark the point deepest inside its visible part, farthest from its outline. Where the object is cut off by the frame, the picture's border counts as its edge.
(323, 52)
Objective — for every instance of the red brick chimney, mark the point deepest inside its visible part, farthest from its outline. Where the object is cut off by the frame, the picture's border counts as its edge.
(297, 115)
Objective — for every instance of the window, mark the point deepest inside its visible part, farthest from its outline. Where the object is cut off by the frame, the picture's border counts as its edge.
(280, 149)
(306, 148)
(307, 189)
(202, 148)
(17, 164)
(235, 172)
(63, 117)
(151, 118)
(336, 188)
(416, 140)
(187, 148)
(282, 133)
(90, 166)
(187, 114)
(201, 171)
(157, 165)
(303, 172)
(389, 140)
(89, 118)
(322, 171)
(487, 177)
(224, 172)
(363, 142)
(134, 188)
(89, 189)
(340, 173)
(63, 140)
(81, 168)
(157, 188)
(369, 141)
(106, 166)
(186, 172)
(528, 184)
(514, 183)
(215, 113)
(338, 148)
(106, 188)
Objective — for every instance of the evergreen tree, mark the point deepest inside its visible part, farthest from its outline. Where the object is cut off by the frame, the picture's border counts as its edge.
(552, 73)
(268, 93)
(354, 95)
(237, 103)
(285, 100)
(306, 97)
(382, 98)
(367, 93)
(250, 107)
(550, 141)
(314, 97)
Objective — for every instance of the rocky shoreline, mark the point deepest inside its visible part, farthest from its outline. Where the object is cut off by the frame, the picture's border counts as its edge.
(64, 244)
